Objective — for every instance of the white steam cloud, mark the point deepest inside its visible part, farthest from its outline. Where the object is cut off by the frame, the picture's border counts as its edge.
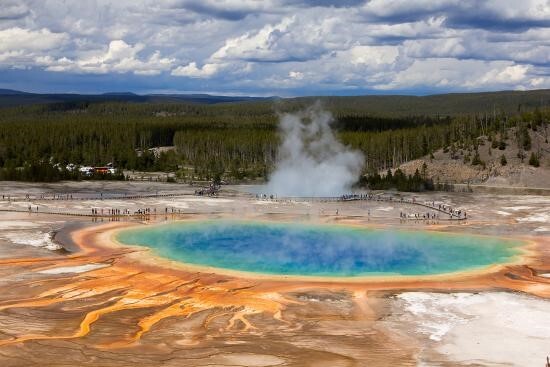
(312, 162)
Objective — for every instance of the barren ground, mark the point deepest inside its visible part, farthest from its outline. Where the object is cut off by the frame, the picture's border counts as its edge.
(68, 298)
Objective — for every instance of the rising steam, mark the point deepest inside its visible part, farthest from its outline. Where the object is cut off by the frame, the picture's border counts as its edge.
(312, 162)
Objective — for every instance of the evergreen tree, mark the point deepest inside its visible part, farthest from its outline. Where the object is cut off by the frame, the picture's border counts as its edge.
(503, 161)
(534, 160)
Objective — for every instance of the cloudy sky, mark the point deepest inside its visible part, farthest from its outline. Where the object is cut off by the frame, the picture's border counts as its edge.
(274, 47)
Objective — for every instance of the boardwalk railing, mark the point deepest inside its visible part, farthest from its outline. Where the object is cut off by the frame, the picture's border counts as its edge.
(70, 197)
(439, 207)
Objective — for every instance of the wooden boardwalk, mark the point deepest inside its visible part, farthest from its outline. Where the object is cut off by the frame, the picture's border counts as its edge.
(441, 208)
(70, 197)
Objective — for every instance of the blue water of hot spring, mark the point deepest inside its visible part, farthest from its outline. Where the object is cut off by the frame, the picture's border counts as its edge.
(319, 250)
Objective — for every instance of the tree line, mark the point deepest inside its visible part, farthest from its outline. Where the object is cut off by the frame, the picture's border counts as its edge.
(233, 141)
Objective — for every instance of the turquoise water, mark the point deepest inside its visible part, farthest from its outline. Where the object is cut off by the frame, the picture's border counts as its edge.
(319, 250)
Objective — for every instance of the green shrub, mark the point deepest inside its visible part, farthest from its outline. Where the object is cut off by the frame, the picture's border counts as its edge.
(503, 161)
(534, 160)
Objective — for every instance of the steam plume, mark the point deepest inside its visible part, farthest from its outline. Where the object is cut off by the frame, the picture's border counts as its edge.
(312, 162)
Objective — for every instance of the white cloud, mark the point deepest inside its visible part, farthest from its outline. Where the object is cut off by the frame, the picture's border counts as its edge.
(292, 39)
(296, 75)
(231, 9)
(275, 46)
(400, 8)
(431, 27)
(258, 46)
(439, 47)
(525, 9)
(19, 47)
(373, 55)
(191, 70)
(120, 57)
(19, 39)
(13, 10)
(513, 74)
(462, 74)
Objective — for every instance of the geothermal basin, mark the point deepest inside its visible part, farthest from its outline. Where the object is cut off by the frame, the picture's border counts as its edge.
(310, 250)
(239, 281)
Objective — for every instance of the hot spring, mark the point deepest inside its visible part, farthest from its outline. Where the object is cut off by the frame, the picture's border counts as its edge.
(319, 250)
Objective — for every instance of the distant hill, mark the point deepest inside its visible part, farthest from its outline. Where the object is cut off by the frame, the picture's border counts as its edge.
(11, 92)
(452, 104)
(130, 94)
(438, 104)
(10, 98)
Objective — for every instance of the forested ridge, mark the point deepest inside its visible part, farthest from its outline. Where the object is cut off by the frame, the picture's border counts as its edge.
(228, 140)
